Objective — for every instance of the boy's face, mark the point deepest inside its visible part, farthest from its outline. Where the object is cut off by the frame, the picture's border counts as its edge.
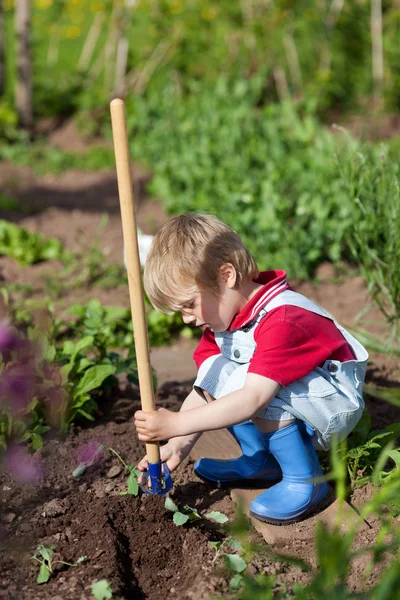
(204, 309)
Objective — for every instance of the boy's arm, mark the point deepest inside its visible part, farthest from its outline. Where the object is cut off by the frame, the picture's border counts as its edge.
(178, 448)
(236, 407)
(184, 443)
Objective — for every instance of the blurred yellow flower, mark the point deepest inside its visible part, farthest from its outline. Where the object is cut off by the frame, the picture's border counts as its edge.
(43, 4)
(9, 4)
(77, 2)
(72, 32)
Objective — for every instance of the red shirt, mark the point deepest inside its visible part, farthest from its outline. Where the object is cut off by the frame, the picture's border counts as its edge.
(290, 341)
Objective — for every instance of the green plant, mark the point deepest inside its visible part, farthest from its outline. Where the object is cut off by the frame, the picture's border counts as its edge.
(93, 453)
(133, 475)
(101, 589)
(44, 555)
(80, 376)
(8, 203)
(187, 513)
(363, 447)
(233, 561)
(269, 172)
(372, 179)
(28, 248)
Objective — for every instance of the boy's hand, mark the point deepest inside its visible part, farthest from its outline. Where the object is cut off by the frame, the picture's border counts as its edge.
(160, 424)
(169, 454)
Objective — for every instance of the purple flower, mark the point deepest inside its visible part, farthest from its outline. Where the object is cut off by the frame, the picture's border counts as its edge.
(25, 467)
(17, 384)
(88, 455)
(8, 338)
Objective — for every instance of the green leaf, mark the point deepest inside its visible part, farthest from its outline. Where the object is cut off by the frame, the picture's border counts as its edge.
(170, 505)
(236, 582)
(234, 544)
(46, 551)
(133, 486)
(101, 590)
(85, 414)
(215, 545)
(192, 513)
(37, 441)
(85, 342)
(235, 562)
(93, 378)
(216, 516)
(180, 519)
(44, 574)
(134, 471)
(81, 559)
(83, 364)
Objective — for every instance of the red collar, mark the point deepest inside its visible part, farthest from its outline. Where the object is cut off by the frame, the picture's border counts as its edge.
(274, 282)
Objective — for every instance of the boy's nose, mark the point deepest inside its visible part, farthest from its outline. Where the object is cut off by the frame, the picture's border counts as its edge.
(188, 318)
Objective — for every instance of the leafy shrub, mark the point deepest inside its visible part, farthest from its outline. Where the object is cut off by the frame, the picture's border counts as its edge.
(28, 248)
(270, 173)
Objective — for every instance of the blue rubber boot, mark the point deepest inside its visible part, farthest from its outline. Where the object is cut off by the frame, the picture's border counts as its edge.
(255, 468)
(298, 494)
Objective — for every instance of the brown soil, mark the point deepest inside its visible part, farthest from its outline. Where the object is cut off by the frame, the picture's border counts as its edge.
(132, 541)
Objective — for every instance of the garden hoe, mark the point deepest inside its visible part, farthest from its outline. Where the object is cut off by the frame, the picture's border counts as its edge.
(159, 481)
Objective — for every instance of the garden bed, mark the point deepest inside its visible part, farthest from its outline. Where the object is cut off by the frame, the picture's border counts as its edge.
(132, 541)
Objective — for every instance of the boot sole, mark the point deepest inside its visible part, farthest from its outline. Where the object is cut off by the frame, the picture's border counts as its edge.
(321, 505)
(240, 483)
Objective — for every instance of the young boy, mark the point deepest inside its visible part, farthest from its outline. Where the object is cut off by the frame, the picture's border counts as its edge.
(273, 368)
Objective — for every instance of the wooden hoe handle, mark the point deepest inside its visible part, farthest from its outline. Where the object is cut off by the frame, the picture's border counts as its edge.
(125, 189)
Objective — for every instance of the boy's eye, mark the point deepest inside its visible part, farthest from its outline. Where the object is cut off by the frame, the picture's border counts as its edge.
(189, 305)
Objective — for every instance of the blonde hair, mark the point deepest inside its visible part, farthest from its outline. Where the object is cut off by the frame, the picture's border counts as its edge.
(186, 256)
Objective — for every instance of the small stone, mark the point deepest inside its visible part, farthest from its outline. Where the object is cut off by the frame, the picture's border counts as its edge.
(6, 488)
(108, 488)
(114, 471)
(83, 487)
(8, 517)
(54, 508)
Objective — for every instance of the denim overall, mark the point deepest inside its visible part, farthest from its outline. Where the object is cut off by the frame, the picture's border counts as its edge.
(328, 399)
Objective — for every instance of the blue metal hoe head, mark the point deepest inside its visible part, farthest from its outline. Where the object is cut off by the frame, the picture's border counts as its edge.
(158, 479)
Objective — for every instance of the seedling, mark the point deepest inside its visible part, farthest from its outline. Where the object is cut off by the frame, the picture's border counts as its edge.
(234, 562)
(191, 514)
(44, 556)
(93, 453)
(101, 590)
(133, 484)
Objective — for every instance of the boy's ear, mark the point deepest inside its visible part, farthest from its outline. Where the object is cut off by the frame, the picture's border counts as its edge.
(228, 275)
